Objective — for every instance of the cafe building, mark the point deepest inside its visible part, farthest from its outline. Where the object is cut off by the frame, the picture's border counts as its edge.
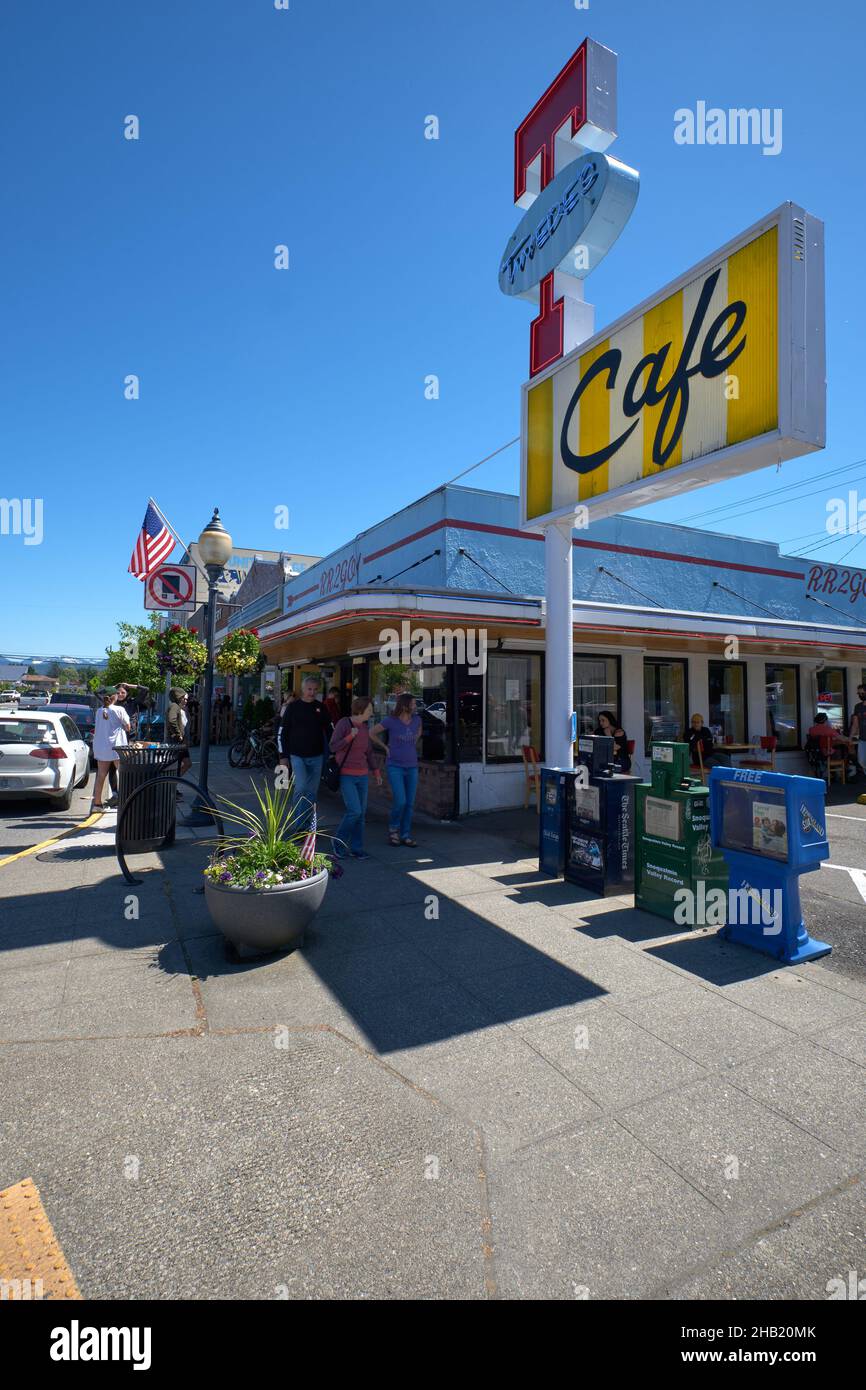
(446, 598)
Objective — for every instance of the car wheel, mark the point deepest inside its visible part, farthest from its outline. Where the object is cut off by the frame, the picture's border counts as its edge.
(63, 803)
(84, 778)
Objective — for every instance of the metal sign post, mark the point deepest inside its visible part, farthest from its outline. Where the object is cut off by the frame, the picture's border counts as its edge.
(579, 199)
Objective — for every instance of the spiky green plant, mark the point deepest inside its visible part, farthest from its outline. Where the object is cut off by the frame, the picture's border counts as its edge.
(269, 849)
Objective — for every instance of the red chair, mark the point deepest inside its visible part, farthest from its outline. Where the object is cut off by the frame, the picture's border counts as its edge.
(769, 743)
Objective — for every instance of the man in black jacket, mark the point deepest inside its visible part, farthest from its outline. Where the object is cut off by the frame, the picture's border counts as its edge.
(302, 737)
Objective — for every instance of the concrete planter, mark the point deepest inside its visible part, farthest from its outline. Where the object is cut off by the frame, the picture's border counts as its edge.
(258, 921)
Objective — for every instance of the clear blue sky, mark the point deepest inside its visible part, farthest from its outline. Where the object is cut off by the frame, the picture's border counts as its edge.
(305, 388)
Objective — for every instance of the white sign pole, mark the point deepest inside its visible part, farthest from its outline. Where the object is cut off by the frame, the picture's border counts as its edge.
(559, 645)
(578, 325)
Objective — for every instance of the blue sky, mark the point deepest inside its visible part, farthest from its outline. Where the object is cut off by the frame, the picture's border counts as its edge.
(305, 388)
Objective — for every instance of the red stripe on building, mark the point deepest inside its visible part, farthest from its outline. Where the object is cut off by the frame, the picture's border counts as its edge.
(609, 547)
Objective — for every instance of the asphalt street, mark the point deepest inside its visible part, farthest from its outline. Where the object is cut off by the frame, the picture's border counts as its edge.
(27, 823)
(834, 899)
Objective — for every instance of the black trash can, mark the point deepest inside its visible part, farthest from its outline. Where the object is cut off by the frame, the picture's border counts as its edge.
(150, 822)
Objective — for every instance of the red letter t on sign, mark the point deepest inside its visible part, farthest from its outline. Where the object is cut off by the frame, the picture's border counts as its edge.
(564, 104)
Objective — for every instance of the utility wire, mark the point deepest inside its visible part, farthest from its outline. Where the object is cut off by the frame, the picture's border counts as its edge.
(753, 511)
(500, 450)
(831, 540)
(832, 609)
(610, 574)
(743, 599)
(408, 567)
(772, 492)
(478, 565)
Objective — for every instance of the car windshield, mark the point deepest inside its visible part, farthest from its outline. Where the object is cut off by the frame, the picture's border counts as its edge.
(25, 731)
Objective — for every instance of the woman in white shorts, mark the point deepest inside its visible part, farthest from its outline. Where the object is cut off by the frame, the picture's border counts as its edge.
(110, 733)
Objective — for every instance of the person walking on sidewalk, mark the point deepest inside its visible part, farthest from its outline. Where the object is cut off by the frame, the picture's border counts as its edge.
(403, 728)
(332, 704)
(109, 733)
(351, 746)
(176, 721)
(302, 738)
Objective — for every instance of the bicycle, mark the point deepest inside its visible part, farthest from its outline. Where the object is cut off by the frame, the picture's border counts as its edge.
(251, 749)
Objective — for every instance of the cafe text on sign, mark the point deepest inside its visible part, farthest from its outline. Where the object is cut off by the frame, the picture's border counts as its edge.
(719, 373)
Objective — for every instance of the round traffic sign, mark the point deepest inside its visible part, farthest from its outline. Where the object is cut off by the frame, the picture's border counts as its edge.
(175, 586)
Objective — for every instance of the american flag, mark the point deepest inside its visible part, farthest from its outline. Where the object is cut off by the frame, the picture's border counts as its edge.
(308, 848)
(154, 545)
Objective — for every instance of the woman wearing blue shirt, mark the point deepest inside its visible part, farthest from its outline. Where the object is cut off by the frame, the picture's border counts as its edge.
(403, 728)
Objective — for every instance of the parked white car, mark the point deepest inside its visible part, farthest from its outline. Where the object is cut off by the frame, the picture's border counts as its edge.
(41, 755)
(9, 699)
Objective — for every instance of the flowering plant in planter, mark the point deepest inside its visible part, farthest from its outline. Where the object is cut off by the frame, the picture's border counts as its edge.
(179, 653)
(271, 851)
(265, 886)
(240, 654)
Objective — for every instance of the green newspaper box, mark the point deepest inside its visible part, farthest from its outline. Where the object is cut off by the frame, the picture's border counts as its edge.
(673, 849)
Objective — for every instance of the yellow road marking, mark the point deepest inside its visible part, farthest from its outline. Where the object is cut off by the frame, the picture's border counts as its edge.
(32, 1265)
(35, 849)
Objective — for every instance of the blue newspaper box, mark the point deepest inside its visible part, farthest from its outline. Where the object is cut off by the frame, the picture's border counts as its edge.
(771, 828)
(600, 853)
(552, 820)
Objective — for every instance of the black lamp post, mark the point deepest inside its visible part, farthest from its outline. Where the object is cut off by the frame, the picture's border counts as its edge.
(215, 547)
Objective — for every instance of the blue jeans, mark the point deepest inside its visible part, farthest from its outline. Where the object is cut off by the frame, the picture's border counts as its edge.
(306, 775)
(350, 831)
(404, 784)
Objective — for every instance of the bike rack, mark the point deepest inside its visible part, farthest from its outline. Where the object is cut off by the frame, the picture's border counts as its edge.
(145, 786)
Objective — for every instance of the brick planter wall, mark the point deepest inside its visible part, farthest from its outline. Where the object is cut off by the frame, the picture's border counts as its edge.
(435, 795)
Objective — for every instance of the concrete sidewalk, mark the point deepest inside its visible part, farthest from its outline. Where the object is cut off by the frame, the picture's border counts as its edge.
(472, 1082)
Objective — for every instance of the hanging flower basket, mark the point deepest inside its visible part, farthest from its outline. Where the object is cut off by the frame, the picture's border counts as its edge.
(240, 654)
(180, 654)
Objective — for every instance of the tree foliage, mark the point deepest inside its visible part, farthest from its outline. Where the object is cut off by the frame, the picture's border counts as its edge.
(132, 659)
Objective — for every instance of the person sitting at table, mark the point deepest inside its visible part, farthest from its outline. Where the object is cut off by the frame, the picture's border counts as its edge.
(701, 738)
(819, 744)
(609, 725)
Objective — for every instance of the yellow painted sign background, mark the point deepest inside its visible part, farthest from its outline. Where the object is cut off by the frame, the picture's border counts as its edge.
(738, 405)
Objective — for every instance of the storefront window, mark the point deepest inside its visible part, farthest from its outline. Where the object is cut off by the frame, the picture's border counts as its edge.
(832, 695)
(664, 701)
(726, 716)
(596, 687)
(783, 721)
(429, 685)
(470, 706)
(513, 719)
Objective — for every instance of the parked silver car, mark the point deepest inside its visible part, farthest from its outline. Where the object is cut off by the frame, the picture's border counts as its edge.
(42, 754)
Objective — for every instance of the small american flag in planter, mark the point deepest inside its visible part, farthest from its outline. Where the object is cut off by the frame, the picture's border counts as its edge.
(308, 848)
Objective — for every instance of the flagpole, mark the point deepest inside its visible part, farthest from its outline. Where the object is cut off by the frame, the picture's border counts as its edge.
(185, 545)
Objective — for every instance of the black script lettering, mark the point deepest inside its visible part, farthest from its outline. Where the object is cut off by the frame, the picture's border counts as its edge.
(675, 393)
(584, 463)
(711, 364)
(651, 394)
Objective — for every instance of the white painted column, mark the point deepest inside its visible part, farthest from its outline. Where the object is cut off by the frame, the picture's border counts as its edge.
(631, 710)
(756, 683)
(559, 645)
(699, 686)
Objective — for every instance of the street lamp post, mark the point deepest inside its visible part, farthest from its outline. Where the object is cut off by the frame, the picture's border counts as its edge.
(215, 547)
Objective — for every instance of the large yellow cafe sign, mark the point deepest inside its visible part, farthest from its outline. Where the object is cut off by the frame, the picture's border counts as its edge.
(720, 373)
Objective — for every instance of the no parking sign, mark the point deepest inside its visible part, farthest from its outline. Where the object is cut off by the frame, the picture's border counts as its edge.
(171, 589)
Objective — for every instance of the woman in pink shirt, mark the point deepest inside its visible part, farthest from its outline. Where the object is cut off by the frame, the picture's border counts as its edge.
(350, 745)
